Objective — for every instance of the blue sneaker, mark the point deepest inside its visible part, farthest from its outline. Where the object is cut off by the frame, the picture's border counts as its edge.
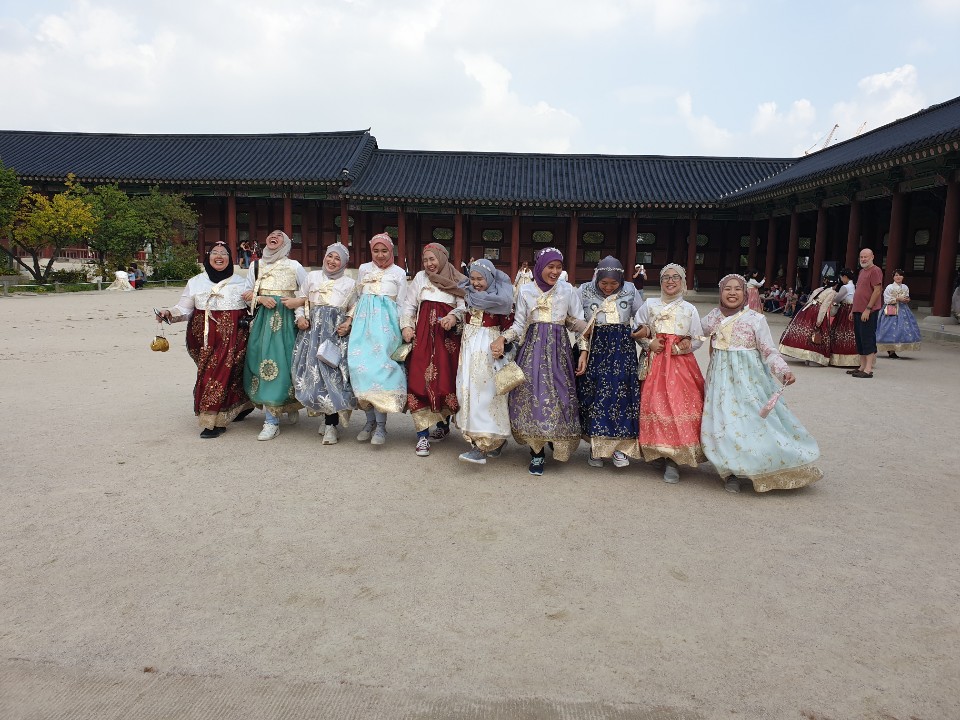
(536, 465)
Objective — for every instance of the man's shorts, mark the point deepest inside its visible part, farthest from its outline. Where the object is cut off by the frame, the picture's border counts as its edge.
(866, 333)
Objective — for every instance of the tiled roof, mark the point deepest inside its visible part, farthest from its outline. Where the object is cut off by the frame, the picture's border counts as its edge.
(535, 179)
(309, 158)
(928, 133)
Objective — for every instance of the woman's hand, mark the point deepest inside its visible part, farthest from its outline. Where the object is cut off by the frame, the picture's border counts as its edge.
(789, 379)
(292, 303)
(656, 345)
(247, 296)
(496, 347)
(640, 333)
(582, 363)
(302, 323)
(407, 334)
(343, 328)
(448, 321)
(268, 302)
(164, 315)
(682, 347)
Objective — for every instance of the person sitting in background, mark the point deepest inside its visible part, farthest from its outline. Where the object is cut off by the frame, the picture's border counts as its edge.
(790, 303)
(138, 277)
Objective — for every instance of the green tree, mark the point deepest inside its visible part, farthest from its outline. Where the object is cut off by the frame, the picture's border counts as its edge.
(167, 219)
(45, 225)
(11, 192)
(120, 231)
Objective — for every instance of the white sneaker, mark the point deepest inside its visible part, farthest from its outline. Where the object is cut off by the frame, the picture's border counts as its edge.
(379, 436)
(269, 432)
(671, 474)
(366, 433)
(619, 459)
(330, 435)
(293, 417)
(594, 462)
(423, 447)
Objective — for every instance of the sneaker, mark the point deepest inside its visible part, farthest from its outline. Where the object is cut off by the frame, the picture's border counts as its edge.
(423, 447)
(476, 456)
(732, 485)
(366, 433)
(293, 417)
(496, 452)
(240, 416)
(594, 462)
(440, 432)
(269, 432)
(671, 474)
(619, 459)
(379, 436)
(330, 435)
(536, 465)
(207, 433)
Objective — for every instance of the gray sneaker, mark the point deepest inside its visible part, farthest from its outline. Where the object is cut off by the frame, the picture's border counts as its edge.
(594, 462)
(496, 452)
(732, 485)
(671, 474)
(366, 433)
(619, 459)
(476, 456)
(379, 436)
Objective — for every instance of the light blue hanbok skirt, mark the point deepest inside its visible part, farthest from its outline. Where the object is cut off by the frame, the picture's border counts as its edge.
(896, 333)
(774, 453)
(378, 381)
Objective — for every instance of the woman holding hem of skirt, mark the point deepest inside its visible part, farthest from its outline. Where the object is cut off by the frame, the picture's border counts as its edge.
(807, 337)
(324, 389)
(843, 343)
(773, 452)
(212, 303)
(544, 409)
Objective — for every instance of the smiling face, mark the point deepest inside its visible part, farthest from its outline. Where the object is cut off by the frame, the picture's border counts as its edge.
(608, 286)
(274, 240)
(477, 281)
(731, 295)
(671, 283)
(219, 258)
(332, 262)
(898, 278)
(431, 263)
(382, 256)
(551, 272)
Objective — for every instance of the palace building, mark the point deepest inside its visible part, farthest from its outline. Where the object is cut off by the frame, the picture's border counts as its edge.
(895, 189)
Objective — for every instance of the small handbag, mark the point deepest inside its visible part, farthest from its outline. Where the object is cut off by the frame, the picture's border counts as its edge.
(890, 310)
(328, 353)
(402, 353)
(509, 377)
(643, 364)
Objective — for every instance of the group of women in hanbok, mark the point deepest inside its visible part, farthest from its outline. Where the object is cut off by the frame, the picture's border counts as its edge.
(439, 346)
(821, 333)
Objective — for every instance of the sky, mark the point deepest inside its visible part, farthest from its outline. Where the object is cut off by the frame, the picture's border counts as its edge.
(750, 78)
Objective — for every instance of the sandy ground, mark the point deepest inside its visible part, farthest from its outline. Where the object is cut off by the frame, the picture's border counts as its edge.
(149, 574)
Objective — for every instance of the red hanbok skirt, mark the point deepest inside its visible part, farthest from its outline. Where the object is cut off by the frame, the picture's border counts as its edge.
(432, 368)
(218, 395)
(753, 299)
(671, 407)
(804, 339)
(843, 343)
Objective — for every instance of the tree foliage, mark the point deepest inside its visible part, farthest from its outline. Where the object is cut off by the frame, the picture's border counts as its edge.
(120, 231)
(11, 192)
(167, 218)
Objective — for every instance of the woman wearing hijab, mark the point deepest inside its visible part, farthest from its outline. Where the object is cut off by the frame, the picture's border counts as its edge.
(609, 391)
(320, 379)
(216, 340)
(483, 418)
(378, 380)
(428, 321)
(807, 337)
(272, 285)
(672, 400)
(544, 409)
(773, 452)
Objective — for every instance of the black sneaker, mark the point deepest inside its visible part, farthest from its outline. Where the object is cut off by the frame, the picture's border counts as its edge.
(241, 415)
(207, 434)
(536, 465)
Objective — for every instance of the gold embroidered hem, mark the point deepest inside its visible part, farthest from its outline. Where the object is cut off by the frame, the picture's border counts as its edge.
(278, 410)
(383, 401)
(209, 420)
(486, 443)
(787, 479)
(691, 455)
(897, 347)
(845, 360)
(604, 447)
(563, 447)
(799, 354)
(426, 418)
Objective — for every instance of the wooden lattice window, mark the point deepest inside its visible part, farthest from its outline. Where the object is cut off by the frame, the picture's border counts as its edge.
(442, 233)
(593, 238)
(543, 236)
(492, 236)
(646, 239)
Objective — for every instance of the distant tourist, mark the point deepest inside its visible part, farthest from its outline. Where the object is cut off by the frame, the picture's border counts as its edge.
(897, 329)
(866, 306)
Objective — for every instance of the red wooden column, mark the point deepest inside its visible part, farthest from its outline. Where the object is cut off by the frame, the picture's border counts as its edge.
(344, 229)
(514, 244)
(232, 225)
(819, 247)
(252, 218)
(752, 247)
(770, 263)
(631, 246)
(792, 248)
(288, 216)
(457, 256)
(692, 251)
(571, 258)
(853, 236)
(895, 243)
(401, 238)
(947, 253)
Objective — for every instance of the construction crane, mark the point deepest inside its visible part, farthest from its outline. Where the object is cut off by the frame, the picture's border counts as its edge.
(813, 148)
(860, 129)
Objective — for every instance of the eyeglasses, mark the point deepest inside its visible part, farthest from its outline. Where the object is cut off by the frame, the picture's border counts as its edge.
(670, 278)
(217, 254)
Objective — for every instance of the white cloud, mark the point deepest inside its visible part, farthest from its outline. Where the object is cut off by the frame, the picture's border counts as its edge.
(706, 135)
(881, 99)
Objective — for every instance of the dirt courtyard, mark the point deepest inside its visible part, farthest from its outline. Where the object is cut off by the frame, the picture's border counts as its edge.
(146, 573)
